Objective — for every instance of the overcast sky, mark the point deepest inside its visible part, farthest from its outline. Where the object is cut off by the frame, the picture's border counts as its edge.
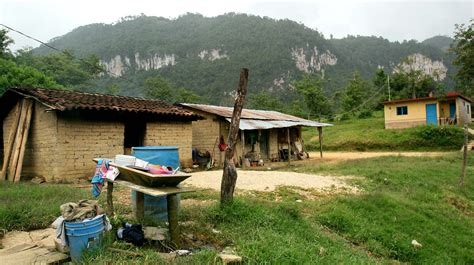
(394, 20)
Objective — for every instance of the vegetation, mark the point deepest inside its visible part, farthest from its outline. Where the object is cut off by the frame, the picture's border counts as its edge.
(464, 50)
(30, 206)
(410, 198)
(370, 135)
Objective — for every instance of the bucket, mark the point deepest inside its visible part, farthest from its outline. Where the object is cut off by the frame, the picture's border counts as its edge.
(83, 235)
(155, 207)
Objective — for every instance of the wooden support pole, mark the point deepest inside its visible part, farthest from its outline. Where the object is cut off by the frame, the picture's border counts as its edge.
(464, 156)
(17, 142)
(24, 139)
(172, 201)
(110, 201)
(140, 212)
(11, 140)
(242, 141)
(229, 175)
(320, 133)
(289, 145)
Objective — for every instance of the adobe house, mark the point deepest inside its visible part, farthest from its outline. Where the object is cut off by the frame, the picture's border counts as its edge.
(453, 108)
(262, 134)
(68, 129)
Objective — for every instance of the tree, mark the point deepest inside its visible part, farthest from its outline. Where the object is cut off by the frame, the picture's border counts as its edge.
(264, 101)
(358, 97)
(159, 88)
(316, 102)
(464, 50)
(186, 96)
(412, 84)
(5, 41)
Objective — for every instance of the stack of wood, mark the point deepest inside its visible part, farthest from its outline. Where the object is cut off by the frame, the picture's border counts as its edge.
(15, 149)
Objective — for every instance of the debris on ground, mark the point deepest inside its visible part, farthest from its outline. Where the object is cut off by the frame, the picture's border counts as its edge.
(155, 233)
(416, 244)
(228, 256)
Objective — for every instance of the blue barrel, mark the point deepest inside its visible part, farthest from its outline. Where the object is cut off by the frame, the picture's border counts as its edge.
(83, 235)
(155, 207)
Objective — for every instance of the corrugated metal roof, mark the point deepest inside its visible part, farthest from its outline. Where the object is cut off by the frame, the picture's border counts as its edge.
(251, 119)
(226, 112)
(251, 124)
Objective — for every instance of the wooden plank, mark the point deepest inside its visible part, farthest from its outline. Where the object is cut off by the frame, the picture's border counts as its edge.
(242, 141)
(29, 114)
(161, 191)
(17, 142)
(289, 145)
(140, 201)
(173, 202)
(110, 201)
(11, 139)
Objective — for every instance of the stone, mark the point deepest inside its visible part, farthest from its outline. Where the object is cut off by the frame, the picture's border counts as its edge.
(155, 233)
(230, 258)
(38, 180)
(168, 256)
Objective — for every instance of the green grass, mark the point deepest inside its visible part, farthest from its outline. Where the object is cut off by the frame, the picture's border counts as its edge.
(402, 199)
(370, 134)
(27, 206)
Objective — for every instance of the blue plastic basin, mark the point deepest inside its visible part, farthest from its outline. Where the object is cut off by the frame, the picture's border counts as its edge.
(83, 235)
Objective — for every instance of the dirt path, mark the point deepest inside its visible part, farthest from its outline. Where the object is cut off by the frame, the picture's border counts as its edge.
(358, 155)
(269, 180)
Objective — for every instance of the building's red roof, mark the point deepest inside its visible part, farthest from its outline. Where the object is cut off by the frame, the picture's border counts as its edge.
(63, 100)
(448, 95)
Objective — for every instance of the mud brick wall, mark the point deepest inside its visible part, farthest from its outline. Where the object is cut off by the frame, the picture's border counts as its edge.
(178, 134)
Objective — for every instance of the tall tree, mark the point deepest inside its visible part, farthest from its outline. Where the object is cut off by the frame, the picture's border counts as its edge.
(464, 50)
(358, 97)
(5, 41)
(159, 88)
(316, 102)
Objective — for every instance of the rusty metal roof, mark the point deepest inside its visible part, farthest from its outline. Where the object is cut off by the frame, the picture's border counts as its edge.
(251, 119)
(62, 100)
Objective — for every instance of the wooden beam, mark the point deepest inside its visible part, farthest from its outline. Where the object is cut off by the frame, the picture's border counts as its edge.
(26, 130)
(320, 133)
(173, 202)
(140, 201)
(11, 139)
(17, 142)
(229, 175)
(289, 145)
(242, 142)
(110, 201)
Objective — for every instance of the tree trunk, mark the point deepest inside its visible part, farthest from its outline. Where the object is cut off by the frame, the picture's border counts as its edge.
(229, 176)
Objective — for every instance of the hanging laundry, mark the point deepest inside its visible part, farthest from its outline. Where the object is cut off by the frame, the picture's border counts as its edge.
(99, 177)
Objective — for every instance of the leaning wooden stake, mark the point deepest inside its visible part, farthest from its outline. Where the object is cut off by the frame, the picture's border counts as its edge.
(11, 139)
(229, 176)
(17, 142)
(24, 138)
(320, 133)
(464, 159)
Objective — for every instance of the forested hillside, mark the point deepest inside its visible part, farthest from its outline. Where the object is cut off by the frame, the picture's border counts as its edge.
(204, 55)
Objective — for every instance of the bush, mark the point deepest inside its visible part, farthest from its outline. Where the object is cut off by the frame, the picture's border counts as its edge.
(438, 136)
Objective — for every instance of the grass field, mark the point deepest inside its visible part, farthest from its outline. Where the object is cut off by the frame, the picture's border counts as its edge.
(369, 134)
(402, 199)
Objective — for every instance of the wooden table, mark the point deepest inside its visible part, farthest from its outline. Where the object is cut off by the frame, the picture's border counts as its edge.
(171, 198)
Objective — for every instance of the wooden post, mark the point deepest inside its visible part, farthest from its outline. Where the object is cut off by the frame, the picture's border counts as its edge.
(320, 133)
(289, 145)
(11, 139)
(229, 176)
(110, 201)
(140, 213)
(17, 142)
(242, 142)
(464, 159)
(172, 201)
(24, 138)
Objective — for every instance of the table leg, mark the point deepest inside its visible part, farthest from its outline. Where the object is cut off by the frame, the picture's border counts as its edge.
(140, 205)
(172, 201)
(110, 202)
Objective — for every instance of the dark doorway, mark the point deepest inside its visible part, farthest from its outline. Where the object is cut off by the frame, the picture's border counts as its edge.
(263, 141)
(134, 134)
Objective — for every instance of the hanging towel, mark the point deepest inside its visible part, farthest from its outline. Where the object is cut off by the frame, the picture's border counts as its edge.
(99, 177)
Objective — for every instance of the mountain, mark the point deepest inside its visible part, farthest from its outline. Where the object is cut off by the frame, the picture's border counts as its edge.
(440, 42)
(205, 54)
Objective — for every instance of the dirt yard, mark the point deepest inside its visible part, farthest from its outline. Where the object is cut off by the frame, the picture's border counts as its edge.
(269, 180)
